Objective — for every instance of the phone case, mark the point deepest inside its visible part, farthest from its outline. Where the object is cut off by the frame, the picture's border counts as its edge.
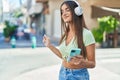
(74, 52)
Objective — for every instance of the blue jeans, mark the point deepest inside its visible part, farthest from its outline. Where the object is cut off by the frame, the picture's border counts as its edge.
(73, 74)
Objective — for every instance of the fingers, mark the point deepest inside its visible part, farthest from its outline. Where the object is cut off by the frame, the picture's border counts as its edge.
(46, 41)
(76, 60)
(77, 57)
(45, 38)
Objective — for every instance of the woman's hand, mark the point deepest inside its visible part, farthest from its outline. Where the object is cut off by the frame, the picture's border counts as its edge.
(46, 41)
(77, 60)
(48, 44)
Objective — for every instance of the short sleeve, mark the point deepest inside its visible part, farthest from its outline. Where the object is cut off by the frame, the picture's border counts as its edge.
(88, 37)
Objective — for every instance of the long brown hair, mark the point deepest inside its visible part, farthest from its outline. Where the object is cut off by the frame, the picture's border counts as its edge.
(79, 24)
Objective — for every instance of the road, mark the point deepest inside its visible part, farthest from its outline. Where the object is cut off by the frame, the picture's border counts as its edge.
(109, 59)
(14, 62)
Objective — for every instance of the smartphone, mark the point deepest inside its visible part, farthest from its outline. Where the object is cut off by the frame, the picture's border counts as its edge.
(74, 52)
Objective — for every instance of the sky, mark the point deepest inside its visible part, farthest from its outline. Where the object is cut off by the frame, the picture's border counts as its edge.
(7, 4)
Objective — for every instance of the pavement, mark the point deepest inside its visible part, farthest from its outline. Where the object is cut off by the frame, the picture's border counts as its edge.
(52, 72)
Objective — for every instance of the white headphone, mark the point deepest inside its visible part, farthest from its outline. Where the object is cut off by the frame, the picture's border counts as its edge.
(78, 10)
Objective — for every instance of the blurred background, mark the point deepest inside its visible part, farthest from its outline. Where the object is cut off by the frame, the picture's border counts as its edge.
(24, 22)
(28, 18)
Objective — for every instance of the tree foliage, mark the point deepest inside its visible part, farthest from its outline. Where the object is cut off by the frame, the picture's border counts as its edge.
(106, 24)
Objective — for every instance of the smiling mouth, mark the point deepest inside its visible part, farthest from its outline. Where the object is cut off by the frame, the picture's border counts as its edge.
(66, 17)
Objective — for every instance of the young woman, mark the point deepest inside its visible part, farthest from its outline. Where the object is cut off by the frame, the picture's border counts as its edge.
(76, 35)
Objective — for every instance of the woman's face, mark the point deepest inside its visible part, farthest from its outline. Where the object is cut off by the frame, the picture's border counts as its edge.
(66, 13)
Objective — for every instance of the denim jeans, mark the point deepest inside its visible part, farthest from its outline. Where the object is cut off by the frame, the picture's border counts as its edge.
(73, 74)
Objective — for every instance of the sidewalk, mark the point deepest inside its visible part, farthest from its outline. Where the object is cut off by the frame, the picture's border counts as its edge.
(26, 43)
(51, 73)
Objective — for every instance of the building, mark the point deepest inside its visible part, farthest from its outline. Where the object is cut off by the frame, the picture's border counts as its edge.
(92, 10)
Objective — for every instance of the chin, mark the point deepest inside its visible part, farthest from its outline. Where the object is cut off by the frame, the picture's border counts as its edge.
(66, 21)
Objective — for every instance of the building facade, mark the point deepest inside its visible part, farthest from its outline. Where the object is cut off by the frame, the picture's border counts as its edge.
(53, 20)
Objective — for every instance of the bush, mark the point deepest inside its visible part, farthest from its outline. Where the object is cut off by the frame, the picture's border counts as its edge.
(9, 29)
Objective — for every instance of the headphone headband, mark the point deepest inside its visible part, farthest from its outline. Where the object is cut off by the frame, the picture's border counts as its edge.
(78, 10)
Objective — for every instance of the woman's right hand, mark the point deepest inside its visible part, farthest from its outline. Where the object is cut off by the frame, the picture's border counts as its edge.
(46, 41)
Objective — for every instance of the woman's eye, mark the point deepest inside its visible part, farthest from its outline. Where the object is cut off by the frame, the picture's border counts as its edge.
(67, 9)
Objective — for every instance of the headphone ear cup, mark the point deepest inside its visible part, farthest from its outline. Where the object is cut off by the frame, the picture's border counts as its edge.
(78, 11)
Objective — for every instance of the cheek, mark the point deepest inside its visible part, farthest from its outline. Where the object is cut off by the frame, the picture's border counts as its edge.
(63, 18)
(70, 17)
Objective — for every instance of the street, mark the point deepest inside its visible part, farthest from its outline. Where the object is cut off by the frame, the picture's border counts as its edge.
(109, 59)
(15, 62)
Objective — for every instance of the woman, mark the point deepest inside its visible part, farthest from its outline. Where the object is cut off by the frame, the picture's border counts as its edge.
(76, 35)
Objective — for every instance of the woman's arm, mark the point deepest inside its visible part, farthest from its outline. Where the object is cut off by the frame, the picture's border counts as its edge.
(47, 43)
(85, 63)
(55, 50)
(90, 62)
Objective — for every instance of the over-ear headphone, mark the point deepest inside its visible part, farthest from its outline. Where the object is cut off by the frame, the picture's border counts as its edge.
(78, 10)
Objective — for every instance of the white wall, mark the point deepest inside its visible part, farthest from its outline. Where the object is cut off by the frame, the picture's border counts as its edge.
(48, 25)
(57, 24)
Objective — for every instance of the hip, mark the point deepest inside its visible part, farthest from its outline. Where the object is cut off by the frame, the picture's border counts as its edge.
(73, 74)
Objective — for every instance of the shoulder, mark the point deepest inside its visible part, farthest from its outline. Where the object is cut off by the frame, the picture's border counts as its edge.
(86, 32)
(88, 37)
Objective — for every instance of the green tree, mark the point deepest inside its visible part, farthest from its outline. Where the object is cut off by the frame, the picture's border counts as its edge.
(107, 24)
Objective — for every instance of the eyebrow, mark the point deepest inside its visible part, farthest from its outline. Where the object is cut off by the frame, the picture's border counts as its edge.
(65, 8)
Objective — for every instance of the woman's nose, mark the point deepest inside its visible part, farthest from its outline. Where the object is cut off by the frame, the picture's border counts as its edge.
(64, 13)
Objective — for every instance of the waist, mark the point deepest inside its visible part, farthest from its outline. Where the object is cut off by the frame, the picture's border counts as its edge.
(80, 70)
(69, 66)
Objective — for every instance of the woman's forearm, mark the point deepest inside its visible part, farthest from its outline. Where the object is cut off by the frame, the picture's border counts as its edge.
(88, 64)
(55, 50)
